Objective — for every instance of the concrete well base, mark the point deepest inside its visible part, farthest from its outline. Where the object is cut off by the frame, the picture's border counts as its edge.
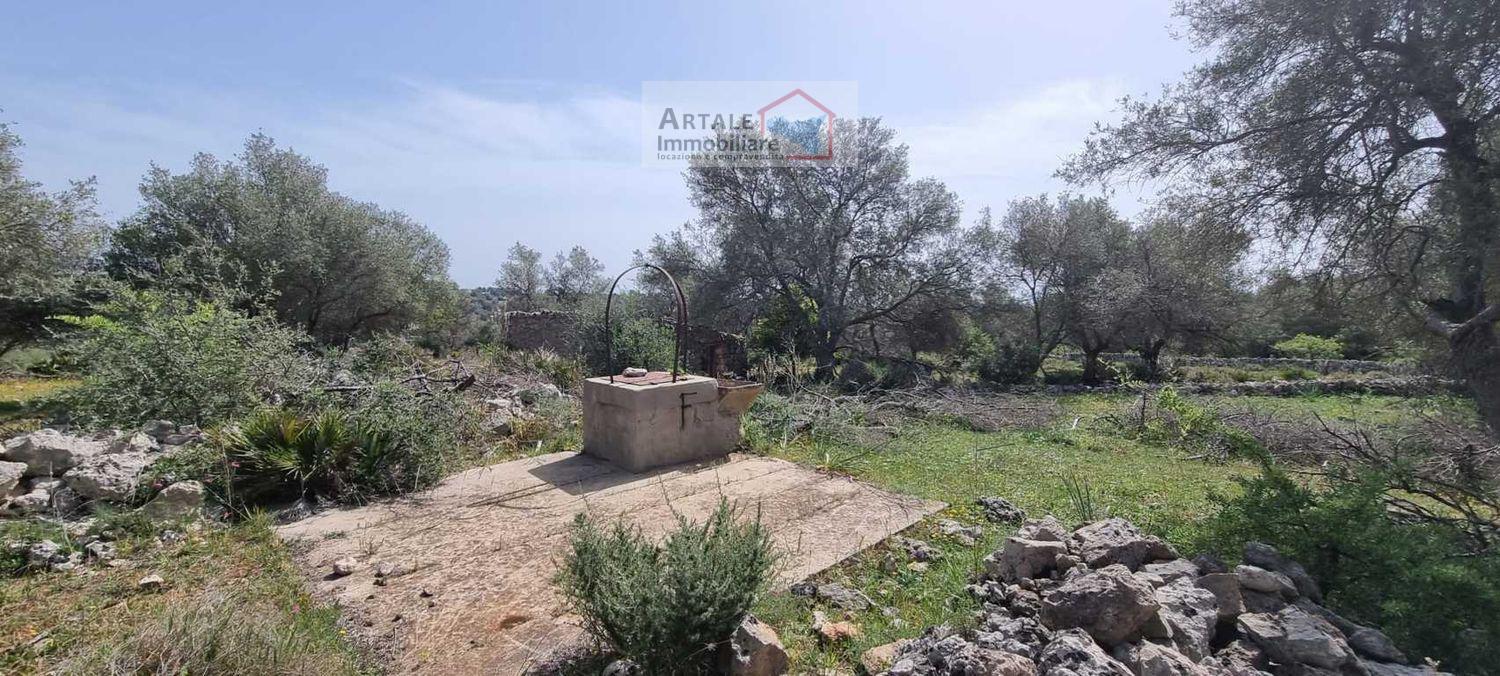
(639, 427)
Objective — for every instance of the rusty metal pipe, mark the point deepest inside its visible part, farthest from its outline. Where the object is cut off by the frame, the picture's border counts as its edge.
(681, 320)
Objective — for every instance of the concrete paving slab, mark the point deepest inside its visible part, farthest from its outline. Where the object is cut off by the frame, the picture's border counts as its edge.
(474, 556)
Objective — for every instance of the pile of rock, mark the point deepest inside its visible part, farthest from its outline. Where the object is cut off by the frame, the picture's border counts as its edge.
(1107, 600)
(519, 401)
(50, 473)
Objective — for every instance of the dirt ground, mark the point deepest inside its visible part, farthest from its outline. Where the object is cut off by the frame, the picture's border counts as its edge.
(469, 563)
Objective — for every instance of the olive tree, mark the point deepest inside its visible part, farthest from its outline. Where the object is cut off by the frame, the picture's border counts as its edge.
(520, 279)
(1177, 279)
(267, 221)
(1053, 252)
(573, 277)
(47, 243)
(1363, 130)
(857, 237)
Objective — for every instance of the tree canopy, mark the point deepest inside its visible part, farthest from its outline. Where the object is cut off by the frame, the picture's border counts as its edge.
(1362, 131)
(267, 221)
(858, 237)
(47, 242)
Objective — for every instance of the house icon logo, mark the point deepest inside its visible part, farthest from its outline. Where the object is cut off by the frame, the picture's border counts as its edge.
(803, 121)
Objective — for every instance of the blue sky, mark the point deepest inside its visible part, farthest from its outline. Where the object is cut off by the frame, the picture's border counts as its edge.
(498, 122)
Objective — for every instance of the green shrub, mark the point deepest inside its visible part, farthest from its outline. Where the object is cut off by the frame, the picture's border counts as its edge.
(1307, 346)
(1293, 373)
(1416, 581)
(382, 441)
(564, 372)
(667, 607)
(642, 343)
(1179, 423)
(1010, 364)
(149, 356)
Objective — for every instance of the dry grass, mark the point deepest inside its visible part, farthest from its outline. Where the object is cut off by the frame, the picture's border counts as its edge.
(100, 621)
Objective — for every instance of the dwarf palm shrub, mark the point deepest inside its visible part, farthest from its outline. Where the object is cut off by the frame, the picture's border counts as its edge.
(326, 454)
(666, 607)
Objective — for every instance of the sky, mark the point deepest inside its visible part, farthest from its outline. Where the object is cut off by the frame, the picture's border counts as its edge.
(495, 122)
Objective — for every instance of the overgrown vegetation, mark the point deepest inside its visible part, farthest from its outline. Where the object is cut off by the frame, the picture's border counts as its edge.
(1423, 582)
(668, 607)
(149, 355)
(1304, 346)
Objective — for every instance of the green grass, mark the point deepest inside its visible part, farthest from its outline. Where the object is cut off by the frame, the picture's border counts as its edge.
(1155, 488)
(1158, 489)
(51, 618)
(24, 402)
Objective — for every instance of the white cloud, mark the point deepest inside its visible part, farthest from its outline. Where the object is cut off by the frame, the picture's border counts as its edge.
(1028, 135)
(1010, 148)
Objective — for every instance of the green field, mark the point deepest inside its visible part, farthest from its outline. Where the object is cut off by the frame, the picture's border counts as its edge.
(1156, 487)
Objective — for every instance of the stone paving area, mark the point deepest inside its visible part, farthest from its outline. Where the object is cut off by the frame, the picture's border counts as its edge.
(457, 580)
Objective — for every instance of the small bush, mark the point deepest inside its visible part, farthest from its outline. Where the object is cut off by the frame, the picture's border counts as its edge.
(1307, 346)
(1417, 581)
(1010, 364)
(638, 342)
(564, 372)
(1293, 373)
(1177, 422)
(149, 356)
(667, 607)
(383, 441)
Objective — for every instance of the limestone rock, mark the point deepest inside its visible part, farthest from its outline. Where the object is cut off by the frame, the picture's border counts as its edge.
(755, 650)
(1072, 651)
(1170, 571)
(112, 477)
(1000, 510)
(137, 442)
(1243, 657)
(944, 655)
(1110, 604)
(1261, 602)
(833, 632)
(11, 474)
(100, 551)
(159, 429)
(45, 553)
(1293, 635)
(1021, 559)
(1023, 636)
(1227, 593)
(1149, 659)
(916, 550)
(1191, 612)
(1255, 578)
(1116, 540)
(49, 452)
(1374, 644)
(967, 536)
(1047, 529)
(345, 566)
(34, 500)
(150, 582)
(177, 501)
(876, 660)
(1267, 557)
(844, 597)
